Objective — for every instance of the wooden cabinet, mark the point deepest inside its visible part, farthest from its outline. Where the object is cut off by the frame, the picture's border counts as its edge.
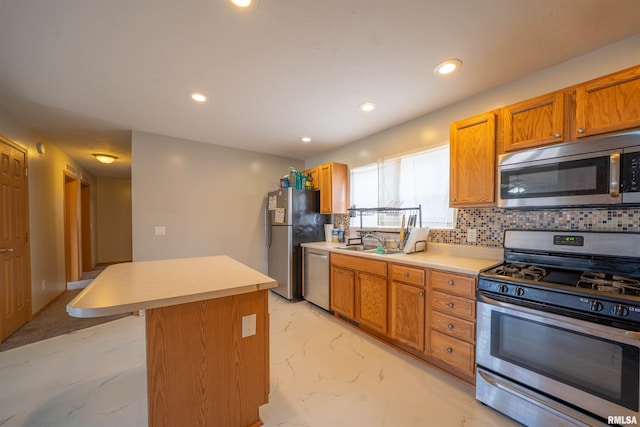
(473, 161)
(343, 292)
(535, 122)
(452, 320)
(333, 183)
(609, 103)
(407, 305)
(371, 308)
(359, 290)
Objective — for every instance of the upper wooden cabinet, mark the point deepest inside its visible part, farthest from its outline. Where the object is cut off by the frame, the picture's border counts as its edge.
(608, 104)
(333, 183)
(473, 161)
(535, 122)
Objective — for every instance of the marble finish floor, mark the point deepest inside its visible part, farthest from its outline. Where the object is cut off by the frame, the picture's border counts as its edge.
(323, 373)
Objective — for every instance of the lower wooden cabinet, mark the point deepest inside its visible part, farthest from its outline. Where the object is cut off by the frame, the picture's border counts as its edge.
(343, 292)
(359, 290)
(371, 311)
(407, 305)
(428, 313)
(451, 331)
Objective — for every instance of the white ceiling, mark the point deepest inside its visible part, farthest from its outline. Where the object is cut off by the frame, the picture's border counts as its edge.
(84, 73)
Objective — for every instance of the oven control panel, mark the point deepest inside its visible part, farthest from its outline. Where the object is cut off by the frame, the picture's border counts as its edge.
(547, 296)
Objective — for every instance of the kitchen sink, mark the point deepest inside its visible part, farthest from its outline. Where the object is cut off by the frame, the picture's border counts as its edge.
(370, 249)
(358, 248)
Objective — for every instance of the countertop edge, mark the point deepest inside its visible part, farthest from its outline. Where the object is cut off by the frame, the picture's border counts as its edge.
(447, 257)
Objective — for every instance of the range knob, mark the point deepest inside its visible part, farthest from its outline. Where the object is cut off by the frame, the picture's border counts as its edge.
(595, 306)
(503, 288)
(519, 292)
(619, 310)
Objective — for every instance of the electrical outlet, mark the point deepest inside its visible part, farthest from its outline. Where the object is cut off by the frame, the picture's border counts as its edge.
(472, 235)
(44, 284)
(161, 230)
(248, 325)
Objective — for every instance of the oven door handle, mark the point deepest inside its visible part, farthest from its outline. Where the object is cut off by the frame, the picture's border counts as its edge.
(608, 332)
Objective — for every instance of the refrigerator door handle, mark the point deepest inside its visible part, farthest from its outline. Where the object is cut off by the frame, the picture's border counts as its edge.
(267, 226)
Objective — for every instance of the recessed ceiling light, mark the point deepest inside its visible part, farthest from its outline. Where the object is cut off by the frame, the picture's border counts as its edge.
(105, 158)
(245, 4)
(367, 106)
(198, 97)
(306, 139)
(447, 67)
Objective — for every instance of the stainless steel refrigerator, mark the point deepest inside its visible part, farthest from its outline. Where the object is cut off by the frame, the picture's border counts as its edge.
(293, 217)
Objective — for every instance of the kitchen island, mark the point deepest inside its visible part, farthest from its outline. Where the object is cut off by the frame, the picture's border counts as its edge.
(207, 335)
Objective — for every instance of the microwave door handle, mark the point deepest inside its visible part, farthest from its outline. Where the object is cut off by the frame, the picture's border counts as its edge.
(614, 174)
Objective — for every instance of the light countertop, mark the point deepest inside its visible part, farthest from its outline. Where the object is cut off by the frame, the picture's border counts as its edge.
(465, 259)
(132, 286)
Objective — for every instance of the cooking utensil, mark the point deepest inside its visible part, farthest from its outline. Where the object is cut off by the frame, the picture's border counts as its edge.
(402, 230)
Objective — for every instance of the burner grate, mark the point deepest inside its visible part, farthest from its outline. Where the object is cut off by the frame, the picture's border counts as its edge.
(611, 283)
(522, 271)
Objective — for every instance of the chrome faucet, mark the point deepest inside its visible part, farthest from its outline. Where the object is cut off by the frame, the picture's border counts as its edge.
(381, 240)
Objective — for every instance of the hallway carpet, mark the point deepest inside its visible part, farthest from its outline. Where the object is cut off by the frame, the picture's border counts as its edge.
(53, 321)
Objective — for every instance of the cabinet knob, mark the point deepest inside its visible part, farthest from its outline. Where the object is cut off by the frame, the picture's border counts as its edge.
(450, 305)
(453, 199)
(449, 350)
(406, 274)
(580, 130)
(421, 294)
(450, 326)
(557, 134)
(450, 282)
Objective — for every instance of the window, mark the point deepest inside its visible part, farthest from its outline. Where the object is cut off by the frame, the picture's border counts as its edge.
(405, 181)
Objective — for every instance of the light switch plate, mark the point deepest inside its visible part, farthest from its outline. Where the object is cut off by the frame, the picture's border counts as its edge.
(472, 235)
(161, 230)
(248, 325)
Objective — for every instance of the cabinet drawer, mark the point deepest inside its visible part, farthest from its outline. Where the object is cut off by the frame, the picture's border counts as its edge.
(452, 351)
(453, 305)
(360, 263)
(454, 283)
(453, 326)
(406, 274)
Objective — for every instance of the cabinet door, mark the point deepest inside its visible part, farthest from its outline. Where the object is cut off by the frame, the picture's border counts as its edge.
(324, 185)
(372, 298)
(533, 123)
(343, 292)
(407, 306)
(473, 161)
(609, 103)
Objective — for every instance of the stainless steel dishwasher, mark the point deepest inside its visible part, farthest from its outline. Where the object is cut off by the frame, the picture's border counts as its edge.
(315, 280)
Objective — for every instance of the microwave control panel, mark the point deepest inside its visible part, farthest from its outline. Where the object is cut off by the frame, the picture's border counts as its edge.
(631, 172)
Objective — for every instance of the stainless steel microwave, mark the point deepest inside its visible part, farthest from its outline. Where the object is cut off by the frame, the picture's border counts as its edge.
(597, 172)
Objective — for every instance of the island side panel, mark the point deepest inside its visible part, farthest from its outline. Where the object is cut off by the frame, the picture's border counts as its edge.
(200, 371)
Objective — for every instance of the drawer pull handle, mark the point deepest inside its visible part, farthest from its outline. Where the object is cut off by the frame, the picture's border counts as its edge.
(450, 326)
(450, 305)
(450, 282)
(406, 274)
(449, 350)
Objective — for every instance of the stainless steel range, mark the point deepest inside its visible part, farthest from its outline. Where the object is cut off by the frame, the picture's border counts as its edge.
(558, 329)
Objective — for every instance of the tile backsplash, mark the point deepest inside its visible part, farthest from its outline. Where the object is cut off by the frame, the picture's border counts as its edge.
(490, 223)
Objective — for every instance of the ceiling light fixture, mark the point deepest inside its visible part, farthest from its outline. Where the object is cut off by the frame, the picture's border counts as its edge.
(198, 97)
(367, 106)
(245, 4)
(105, 158)
(447, 67)
(306, 139)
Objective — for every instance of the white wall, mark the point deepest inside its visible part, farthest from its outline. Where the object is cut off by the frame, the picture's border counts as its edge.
(46, 211)
(433, 128)
(210, 198)
(114, 220)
